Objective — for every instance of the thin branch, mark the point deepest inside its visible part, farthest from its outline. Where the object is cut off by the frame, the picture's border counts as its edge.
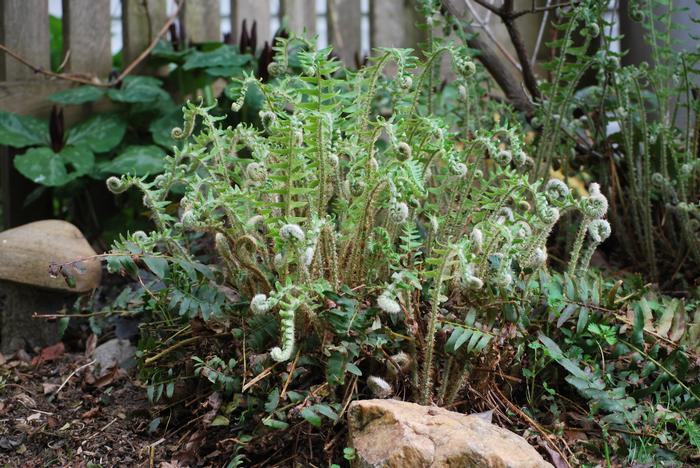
(76, 78)
(510, 85)
(518, 14)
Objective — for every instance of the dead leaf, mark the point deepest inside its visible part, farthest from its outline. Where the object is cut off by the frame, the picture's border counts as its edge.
(49, 387)
(52, 422)
(49, 353)
(90, 345)
(34, 417)
(3, 359)
(91, 413)
(25, 400)
(114, 374)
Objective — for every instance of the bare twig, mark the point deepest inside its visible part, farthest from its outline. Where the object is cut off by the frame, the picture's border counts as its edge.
(72, 374)
(77, 78)
(489, 58)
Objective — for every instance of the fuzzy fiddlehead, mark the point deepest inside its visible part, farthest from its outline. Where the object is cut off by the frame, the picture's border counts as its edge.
(287, 314)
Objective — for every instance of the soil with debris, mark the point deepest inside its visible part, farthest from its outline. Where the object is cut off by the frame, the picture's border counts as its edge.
(54, 411)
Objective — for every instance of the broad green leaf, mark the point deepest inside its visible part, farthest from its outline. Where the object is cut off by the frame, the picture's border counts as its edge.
(80, 158)
(220, 420)
(164, 50)
(100, 133)
(353, 369)
(158, 265)
(582, 319)
(138, 89)
(273, 400)
(275, 424)
(566, 314)
(79, 95)
(311, 416)
(42, 166)
(138, 161)
(19, 131)
(224, 56)
(327, 411)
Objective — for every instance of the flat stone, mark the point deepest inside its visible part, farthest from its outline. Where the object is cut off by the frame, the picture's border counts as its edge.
(397, 434)
(28, 251)
(113, 353)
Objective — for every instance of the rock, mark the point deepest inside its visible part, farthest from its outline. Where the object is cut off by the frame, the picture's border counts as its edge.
(392, 433)
(112, 353)
(27, 252)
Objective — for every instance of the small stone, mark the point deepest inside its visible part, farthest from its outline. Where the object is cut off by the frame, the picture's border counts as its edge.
(113, 353)
(392, 433)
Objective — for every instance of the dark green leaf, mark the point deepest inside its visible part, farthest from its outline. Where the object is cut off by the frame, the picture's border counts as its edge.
(311, 417)
(224, 56)
(100, 133)
(138, 89)
(42, 166)
(79, 95)
(138, 161)
(353, 369)
(158, 265)
(19, 131)
(80, 157)
(160, 129)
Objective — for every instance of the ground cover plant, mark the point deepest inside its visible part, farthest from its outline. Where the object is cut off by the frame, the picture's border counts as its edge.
(334, 252)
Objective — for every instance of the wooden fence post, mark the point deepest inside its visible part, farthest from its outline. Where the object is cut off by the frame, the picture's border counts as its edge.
(345, 29)
(300, 14)
(24, 28)
(141, 21)
(202, 20)
(393, 24)
(87, 36)
(252, 11)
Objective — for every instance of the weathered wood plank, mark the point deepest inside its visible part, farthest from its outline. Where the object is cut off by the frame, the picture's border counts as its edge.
(24, 28)
(300, 15)
(86, 34)
(393, 24)
(252, 11)
(345, 28)
(202, 20)
(141, 21)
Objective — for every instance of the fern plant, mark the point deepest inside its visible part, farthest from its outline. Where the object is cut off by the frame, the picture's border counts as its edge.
(340, 225)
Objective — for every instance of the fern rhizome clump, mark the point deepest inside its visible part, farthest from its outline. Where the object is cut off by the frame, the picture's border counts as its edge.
(388, 247)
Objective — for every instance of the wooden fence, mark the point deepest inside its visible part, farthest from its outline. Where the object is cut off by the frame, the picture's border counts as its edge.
(24, 29)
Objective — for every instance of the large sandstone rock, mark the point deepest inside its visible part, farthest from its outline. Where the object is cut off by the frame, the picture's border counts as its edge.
(27, 251)
(397, 434)
(26, 287)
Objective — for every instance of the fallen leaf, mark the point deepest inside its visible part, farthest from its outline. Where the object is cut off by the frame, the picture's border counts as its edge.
(91, 413)
(3, 359)
(49, 353)
(49, 387)
(90, 345)
(52, 422)
(115, 373)
(25, 400)
(34, 417)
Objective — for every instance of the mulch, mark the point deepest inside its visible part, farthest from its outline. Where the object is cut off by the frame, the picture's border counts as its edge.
(55, 412)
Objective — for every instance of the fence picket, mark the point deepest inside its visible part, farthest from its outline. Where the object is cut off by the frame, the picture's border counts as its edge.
(393, 24)
(202, 20)
(86, 34)
(24, 28)
(345, 29)
(252, 11)
(300, 14)
(141, 20)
